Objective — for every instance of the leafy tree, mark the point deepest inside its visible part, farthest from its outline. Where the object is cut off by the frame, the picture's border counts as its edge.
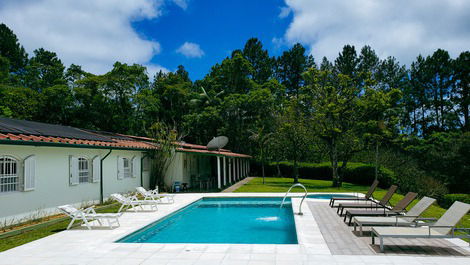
(461, 88)
(44, 69)
(12, 50)
(290, 67)
(260, 61)
(333, 111)
(292, 135)
(166, 139)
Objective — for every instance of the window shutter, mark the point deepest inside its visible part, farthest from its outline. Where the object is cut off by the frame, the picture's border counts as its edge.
(73, 170)
(29, 173)
(135, 167)
(96, 163)
(120, 168)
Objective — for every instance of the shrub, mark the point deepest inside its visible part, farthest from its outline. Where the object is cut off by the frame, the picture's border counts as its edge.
(449, 199)
(357, 173)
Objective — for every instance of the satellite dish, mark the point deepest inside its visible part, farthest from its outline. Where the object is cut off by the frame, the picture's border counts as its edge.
(217, 143)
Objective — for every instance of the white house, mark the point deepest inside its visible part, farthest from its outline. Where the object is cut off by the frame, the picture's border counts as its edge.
(45, 165)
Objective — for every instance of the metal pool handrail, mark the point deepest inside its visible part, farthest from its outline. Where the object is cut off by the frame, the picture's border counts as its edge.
(303, 198)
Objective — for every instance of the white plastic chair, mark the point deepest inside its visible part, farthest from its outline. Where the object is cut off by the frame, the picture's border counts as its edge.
(134, 202)
(87, 215)
(154, 195)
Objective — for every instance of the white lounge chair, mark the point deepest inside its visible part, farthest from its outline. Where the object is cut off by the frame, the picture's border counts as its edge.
(408, 219)
(154, 195)
(87, 215)
(443, 228)
(134, 202)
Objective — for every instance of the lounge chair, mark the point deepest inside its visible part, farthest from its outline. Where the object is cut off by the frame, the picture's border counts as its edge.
(371, 204)
(409, 219)
(132, 201)
(367, 197)
(399, 208)
(154, 195)
(443, 228)
(87, 215)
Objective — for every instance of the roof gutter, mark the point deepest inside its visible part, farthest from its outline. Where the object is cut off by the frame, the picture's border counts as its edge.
(54, 144)
(212, 154)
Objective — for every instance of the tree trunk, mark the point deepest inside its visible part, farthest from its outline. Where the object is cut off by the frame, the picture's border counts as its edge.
(334, 163)
(376, 160)
(279, 174)
(262, 170)
(296, 172)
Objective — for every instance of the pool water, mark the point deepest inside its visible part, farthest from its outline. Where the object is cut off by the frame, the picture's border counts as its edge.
(223, 220)
(329, 196)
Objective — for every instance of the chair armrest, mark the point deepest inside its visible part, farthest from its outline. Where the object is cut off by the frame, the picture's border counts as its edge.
(89, 210)
(465, 230)
(426, 219)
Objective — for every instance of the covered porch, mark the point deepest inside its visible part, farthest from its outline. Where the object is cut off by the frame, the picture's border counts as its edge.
(206, 171)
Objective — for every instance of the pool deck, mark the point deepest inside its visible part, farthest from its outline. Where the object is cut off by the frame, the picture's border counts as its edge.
(80, 246)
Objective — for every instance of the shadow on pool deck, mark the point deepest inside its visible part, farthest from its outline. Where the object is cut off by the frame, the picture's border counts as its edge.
(342, 241)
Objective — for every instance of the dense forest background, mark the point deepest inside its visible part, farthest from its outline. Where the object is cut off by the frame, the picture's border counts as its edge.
(358, 108)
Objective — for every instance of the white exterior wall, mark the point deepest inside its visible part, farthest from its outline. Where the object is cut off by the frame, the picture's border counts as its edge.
(184, 165)
(53, 187)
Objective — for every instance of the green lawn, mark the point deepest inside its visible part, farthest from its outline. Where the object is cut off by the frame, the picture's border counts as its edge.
(283, 184)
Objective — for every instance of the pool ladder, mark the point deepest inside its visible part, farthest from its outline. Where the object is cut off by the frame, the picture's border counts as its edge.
(303, 198)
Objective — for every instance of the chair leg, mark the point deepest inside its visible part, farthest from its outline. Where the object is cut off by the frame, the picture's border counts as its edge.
(86, 223)
(381, 244)
(122, 206)
(361, 232)
(71, 223)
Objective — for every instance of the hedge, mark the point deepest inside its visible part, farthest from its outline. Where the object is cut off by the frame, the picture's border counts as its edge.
(357, 173)
(449, 199)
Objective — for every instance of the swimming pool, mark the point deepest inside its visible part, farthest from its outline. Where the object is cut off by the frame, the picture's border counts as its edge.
(329, 196)
(241, 220)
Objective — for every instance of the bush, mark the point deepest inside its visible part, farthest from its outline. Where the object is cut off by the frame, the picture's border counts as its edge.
(449, 199)
(357, 173)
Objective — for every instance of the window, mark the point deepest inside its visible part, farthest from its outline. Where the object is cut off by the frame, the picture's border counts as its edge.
(9, 179)
(83, 170)
(127, 167)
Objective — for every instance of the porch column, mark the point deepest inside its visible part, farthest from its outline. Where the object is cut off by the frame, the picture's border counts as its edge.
(248, 163)
(230, 160)
(224, 168)
(244, 168)
(219, 178)
(238, 169)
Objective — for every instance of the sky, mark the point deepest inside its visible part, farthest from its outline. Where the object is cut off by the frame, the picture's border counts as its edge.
(162, 34)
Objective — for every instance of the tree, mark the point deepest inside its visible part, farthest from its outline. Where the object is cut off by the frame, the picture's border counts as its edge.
(260, 61)
(261, 137)
(44, 69)
(166, 140)
(292, 135)
(462, 87)
(333, 115)
(290, 67)
(12, 50)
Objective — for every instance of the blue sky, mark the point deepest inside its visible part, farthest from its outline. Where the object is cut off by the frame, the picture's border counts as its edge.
(219, 27)
(162, 34)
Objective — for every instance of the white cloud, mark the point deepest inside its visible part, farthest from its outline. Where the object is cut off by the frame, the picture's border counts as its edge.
(152, 69)
(90, 33)
(285, 11)
(190, 50)
(181, 3)
(399, 28)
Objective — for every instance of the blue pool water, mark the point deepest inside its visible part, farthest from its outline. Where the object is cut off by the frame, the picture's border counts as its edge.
(223, 220)
(329, 196)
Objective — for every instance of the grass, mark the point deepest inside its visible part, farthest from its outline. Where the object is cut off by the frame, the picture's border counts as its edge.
(40, 232)
(283, 184)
